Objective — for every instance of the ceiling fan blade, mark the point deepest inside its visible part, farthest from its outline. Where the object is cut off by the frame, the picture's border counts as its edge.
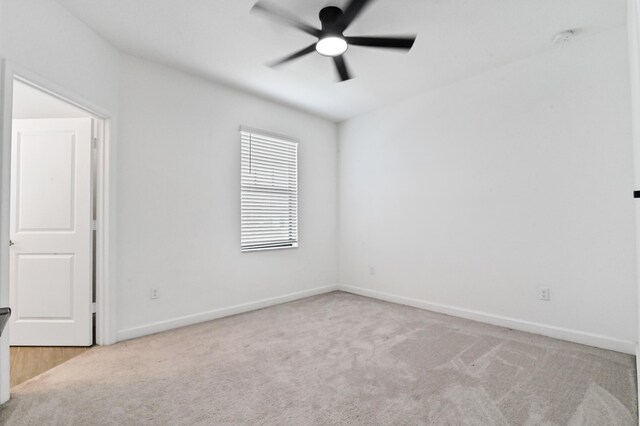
(384, 42)
(342, 68)
(285, 17)
(351, 12)
(295, 55)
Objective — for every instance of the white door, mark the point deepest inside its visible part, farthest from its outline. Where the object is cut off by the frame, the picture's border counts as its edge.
(51, 252)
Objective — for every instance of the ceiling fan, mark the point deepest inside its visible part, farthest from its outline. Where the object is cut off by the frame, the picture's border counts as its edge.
(331, 40)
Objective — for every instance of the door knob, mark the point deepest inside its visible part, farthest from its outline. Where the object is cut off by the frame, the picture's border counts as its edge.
(11, 243)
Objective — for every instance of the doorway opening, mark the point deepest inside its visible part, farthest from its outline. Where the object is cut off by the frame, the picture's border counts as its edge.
(54, 227)
(52, 232)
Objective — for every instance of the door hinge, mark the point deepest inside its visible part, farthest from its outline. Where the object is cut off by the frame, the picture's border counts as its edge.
(94, 143)
(93, 308)
(94, 225)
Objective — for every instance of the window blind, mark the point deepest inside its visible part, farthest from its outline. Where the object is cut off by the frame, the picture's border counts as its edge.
(269, 192)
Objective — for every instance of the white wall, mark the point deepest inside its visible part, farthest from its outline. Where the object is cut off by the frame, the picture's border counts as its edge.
(472, 196)
(179, 200)
(29, 102)
(41, 37)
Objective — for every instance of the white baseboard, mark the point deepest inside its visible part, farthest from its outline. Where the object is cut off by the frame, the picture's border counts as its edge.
(574, 336)
(157, 327)
(516, 324)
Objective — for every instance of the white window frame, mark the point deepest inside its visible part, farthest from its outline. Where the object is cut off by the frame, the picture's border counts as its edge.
(268, 191)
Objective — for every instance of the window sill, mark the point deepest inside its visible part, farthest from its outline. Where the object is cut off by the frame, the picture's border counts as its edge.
(249, 250)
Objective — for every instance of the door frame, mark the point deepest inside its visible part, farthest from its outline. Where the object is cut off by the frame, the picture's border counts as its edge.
(633, 32)
(105, 308)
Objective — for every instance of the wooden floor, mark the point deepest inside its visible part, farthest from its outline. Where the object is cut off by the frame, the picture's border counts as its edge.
(28, 362)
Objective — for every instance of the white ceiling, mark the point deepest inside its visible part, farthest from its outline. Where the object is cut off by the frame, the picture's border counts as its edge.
(223, 41)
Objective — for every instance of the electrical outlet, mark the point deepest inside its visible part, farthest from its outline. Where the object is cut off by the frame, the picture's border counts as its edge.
(543, 293)
(372, 270)
(155, 294)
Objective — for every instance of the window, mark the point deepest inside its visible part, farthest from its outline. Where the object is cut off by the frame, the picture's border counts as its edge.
(269, 192)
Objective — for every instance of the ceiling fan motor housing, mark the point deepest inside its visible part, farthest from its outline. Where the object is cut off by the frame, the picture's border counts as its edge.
(329, 17)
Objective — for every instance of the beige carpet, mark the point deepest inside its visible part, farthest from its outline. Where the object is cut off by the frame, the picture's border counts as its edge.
(334, 359)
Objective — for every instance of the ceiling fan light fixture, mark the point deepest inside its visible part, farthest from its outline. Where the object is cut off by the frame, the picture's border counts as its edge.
(332, 46)
(331, 41)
